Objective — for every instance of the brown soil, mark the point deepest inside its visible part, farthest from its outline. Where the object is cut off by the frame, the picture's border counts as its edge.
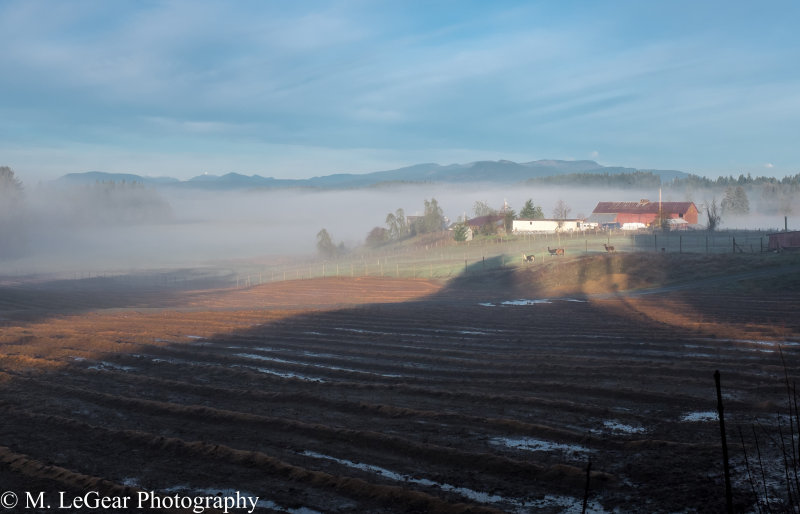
(385, 395)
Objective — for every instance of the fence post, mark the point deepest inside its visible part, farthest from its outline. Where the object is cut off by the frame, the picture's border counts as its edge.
(726, 469)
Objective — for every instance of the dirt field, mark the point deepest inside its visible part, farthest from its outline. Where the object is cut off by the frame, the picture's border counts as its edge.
(490, 392)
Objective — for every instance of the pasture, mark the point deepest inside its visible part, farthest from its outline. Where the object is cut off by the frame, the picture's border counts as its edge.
(490, 391)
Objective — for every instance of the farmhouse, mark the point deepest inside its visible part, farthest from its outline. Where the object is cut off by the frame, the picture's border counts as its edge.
(615, 214)
(780, 241)
(491, 219)
(545, 226)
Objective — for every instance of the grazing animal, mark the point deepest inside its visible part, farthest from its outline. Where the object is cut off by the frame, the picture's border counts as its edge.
(609, 249)
(555, 251)
(528, 258)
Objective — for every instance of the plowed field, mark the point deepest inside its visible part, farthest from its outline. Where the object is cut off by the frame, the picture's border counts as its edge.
(482, 394)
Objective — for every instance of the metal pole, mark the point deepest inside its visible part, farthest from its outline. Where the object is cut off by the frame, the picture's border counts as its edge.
(726, 468)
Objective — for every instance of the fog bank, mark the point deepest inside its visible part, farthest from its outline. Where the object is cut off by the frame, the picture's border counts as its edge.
(123, 229)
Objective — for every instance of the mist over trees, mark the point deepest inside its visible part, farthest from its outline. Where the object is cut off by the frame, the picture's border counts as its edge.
(10, 185)
(115, 203)
(13, 218)
(432, 221)
(561, 210)
(482, 208)
(735, 201)
(397, 226)
(326, 247)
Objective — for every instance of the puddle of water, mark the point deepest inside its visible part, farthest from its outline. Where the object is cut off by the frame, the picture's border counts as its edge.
(226, 492)
(323, 366)
(772, 344)
(362, 331)
(284, 374)
(616, 426)
(566, 502)
(526, 302)
(110, 365)
(537, 445)
(700, 416)
(532, 302)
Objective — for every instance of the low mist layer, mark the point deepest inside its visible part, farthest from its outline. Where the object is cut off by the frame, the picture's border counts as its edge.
(127, 226)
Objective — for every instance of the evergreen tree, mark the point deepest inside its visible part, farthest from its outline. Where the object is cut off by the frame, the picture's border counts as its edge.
(531, 211)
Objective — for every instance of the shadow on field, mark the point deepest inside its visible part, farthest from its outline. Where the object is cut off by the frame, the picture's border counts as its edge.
(36, 299)
(399, 395)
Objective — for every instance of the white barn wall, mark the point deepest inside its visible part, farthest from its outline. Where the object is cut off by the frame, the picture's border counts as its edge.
(545, 226)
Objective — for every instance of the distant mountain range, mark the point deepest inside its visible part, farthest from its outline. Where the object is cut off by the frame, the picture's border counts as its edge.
(498, 172)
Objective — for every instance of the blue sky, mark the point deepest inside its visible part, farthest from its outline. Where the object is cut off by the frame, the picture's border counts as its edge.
(297, 89)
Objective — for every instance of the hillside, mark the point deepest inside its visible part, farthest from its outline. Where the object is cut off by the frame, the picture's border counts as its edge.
(499, 172)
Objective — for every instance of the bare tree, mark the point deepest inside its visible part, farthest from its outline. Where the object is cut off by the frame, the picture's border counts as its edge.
(482, 208)
(713, 215)
(397, 225)
(561, 210)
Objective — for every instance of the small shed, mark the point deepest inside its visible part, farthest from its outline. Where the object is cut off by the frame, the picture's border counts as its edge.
(780, 241)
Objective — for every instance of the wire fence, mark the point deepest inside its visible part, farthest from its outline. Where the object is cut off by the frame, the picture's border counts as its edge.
(445, 258)
(439, 257)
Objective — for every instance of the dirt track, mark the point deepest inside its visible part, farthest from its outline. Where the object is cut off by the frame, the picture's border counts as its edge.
(381, 395)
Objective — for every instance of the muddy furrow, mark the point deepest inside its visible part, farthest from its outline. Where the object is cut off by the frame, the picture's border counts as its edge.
(378, 441)
(355, 488)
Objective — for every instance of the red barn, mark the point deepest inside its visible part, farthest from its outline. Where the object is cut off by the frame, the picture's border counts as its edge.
(784, 241)
(645, 211)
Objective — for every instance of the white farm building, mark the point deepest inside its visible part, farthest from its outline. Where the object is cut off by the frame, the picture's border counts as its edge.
(546, 226)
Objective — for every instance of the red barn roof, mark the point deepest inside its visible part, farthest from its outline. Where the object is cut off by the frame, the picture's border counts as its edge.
(483, 220)
(643, 207)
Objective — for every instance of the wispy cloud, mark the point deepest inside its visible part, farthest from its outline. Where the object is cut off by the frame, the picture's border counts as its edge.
(650, 87)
